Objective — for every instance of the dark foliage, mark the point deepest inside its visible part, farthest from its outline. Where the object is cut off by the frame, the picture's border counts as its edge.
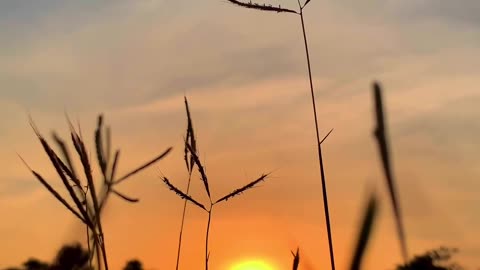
(133, 265)
(437, 259)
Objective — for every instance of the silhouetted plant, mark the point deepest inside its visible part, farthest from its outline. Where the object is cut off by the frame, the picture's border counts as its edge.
(87, 202)
(192, 160)
(301, 7)
(365, 232)
(381, 135)
(296, 259)
(190, 164)
(133, 265)
(34, 264)
(432, 260)
(71, 257)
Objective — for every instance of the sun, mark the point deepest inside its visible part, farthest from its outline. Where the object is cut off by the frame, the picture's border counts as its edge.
(252, 265)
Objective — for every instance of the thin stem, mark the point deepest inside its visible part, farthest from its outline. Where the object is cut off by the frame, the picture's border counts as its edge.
(89, 249)
(97, 247)
(207, 255)
(88, 232)
(183, 221)
(102, 239)
(319, 147)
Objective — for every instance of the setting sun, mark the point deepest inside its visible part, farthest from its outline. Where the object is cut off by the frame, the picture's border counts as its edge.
(252, 265)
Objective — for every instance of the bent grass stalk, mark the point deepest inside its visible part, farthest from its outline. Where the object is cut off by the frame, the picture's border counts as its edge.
(381, 136)
(87, 203)
(280, 9)
(192, 160)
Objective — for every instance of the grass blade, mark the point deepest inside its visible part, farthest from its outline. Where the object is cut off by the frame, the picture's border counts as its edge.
(116, 159)
(53, 192)
(242, 189)
(66, 154)
(125, 197)
(181, 194)
(365, 232)
(162, 155)
(382, 139)
(61, 169)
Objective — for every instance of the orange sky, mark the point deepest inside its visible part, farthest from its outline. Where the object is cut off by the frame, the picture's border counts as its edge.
(244, 73)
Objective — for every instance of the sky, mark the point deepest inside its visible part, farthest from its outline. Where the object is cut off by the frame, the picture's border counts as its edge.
(245, 75)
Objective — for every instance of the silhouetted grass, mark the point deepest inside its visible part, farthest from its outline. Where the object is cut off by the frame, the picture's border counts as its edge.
(192, 160)
(87, 202)
(382, 139)
(296, 259)
(364, 234)
(301, 7)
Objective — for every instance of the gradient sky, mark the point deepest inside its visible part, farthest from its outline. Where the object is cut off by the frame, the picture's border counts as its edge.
(245, 75)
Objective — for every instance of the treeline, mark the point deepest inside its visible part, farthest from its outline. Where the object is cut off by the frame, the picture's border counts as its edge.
(70, 257)
(74, 257)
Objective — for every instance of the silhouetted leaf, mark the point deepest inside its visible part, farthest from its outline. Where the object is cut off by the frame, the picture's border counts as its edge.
(125, 197)
(364, 234)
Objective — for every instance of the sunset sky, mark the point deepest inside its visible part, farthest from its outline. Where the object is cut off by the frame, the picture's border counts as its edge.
(244, 73)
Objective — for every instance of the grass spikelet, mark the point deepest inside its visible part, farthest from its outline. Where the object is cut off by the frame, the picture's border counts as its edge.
(99, 146)
(239, 191)
(191, 149)
(66, 154)
(262, 7)
(181, 194)
(381, 135)
(89, 204)
(190, 139)
(201, 169)
(61, 169)
(190, 164)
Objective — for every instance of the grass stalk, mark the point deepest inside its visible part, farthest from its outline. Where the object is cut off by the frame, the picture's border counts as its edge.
(89, 214)
(279, 9)
(192, 160)
(381, 135)
(319, 143)
(207, 253)
(182, 224)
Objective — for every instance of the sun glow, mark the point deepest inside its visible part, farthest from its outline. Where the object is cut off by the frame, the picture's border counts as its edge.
(252, 265)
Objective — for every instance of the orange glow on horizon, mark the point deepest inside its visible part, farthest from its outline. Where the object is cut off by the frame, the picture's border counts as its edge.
(255, 264)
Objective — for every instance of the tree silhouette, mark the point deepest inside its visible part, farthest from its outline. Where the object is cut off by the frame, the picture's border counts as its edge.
(34, 264)
(437, 259)
(71, 257)
(133, 265)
